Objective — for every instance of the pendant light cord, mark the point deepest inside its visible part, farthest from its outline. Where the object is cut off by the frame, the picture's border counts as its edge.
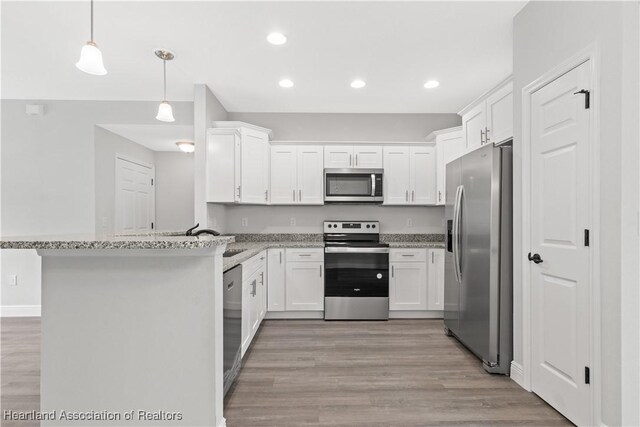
(91, 20)
(164, 66)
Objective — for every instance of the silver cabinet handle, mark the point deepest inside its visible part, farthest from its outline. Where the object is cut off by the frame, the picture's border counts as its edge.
(408, 255)
(432, 258)
(393, 271)
(413, 195)
(254, 284)
(373, 185)
(266, 195)
(280, 257)
(350, 162)
(356, 160)
(304, 254)
(299, 195)
(320, 270)
(439, 195)
(486, 134)
(294, 195)
(407, 196)
(262, 278)
(239, 192)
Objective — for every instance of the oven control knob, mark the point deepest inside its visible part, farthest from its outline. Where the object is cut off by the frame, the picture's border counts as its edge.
(368, 225)
(335, 225)
(379, 275)
(373, 226)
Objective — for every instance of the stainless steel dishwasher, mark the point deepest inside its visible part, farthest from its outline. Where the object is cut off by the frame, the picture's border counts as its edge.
(232, 324)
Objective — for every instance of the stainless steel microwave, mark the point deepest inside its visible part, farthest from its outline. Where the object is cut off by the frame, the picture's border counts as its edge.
(353, 185)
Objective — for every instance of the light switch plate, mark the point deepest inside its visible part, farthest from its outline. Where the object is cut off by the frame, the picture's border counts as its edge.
(409, 222)
(292, 221)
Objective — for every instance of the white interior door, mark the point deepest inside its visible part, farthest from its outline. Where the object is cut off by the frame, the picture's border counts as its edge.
(134, 197)
(560, 284)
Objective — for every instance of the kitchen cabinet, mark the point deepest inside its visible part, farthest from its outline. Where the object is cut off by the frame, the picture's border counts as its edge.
(297, 175)
(254, 298)
(449, 146)
(435, 291)
(409, 175)
(276, 280)
(237, 163)
(489, 118)
(304, 280)
(353, 156)
(408, 282)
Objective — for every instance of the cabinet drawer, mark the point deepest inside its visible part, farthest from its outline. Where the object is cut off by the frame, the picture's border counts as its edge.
(305, 254)
(252, 264)
(408, 255)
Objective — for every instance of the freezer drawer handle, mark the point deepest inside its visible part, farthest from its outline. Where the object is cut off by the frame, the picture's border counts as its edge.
(535, 258)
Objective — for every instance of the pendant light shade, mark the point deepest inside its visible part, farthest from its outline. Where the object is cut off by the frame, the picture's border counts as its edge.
(165, 112)
(91, 60)
(90, 56)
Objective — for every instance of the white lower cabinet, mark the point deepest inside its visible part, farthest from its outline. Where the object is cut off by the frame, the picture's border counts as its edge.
(304, 280)
(276, 277)
(435, 297)
(254, 297)
(408, 284)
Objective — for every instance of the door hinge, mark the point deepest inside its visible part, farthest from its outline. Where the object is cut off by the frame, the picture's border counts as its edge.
(586, 237)
(152, 226)
(587, 375)
(587, 96)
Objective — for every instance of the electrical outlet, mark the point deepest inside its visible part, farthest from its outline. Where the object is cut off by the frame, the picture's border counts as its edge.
(292, 221)
(409, 222)
(13, 280)
(245, 222)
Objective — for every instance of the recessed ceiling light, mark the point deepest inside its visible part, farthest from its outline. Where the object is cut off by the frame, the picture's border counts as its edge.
(285, 83)
(358, 84)
(277, 38)
(431, 84)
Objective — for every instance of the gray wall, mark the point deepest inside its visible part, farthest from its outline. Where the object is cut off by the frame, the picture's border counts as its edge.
(49, 175)
(338, 127)
(349, 127)
(545, 34)
(174, 190)
(107, 145)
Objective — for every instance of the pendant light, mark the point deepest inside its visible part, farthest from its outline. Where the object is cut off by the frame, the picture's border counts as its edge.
(165, 113)
(90, 56)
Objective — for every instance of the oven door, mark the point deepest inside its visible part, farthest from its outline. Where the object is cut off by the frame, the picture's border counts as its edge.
(356, 272)
(353, 185)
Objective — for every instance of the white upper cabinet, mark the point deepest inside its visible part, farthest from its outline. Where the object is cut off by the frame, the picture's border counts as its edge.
(237, 163)
(397, 178)
(353, 156)
(500, 114)
(297, 175)
(423, 175)
(489, 118)
(409, 175)
(449, 146)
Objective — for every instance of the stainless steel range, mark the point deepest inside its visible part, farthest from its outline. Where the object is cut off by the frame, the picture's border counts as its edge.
(356, 271)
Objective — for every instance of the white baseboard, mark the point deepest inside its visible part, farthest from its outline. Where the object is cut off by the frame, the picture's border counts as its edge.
(416, 314)
(517, 374)
(294, 315)
(20, 311)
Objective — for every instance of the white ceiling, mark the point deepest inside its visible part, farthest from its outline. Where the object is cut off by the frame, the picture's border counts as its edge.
(394, 46)
(154, 137)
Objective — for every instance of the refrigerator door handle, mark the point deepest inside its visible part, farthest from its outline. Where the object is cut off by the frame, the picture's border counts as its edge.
(459, 236)
(455, 234)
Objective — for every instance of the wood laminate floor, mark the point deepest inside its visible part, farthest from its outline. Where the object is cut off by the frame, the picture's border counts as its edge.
(316, 373)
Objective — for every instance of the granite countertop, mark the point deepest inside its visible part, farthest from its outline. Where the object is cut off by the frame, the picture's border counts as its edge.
(93, 241)
(253, 248)
(432, 245)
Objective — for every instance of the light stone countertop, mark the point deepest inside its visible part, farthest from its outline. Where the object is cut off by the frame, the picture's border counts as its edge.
(253, 248)
(93, 241)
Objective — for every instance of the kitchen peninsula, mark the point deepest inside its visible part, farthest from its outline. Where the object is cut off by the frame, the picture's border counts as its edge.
(131, 319)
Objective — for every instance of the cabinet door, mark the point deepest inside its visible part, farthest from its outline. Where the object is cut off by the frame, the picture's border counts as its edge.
(304, 286)
(283, 174)
(264, 286)
(338, 156)
(396, 175)
(408, 286)
(440, 173)
(423, 175)
(435, 298)
(500, 114)
(248, 312)
(221, 167)
(473, 126)
(449, 146)
(254, 170)
(275, 280)
(367, 156)
(310, 175)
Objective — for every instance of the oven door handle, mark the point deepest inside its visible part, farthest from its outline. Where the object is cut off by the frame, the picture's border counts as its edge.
(356, 250)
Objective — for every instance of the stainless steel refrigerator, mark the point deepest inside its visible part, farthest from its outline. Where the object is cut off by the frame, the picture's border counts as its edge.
(478, 260)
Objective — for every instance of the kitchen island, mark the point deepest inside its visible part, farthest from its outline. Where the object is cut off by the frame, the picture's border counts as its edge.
(131, 329)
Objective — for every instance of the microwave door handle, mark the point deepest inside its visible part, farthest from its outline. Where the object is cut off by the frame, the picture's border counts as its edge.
(373, 185)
